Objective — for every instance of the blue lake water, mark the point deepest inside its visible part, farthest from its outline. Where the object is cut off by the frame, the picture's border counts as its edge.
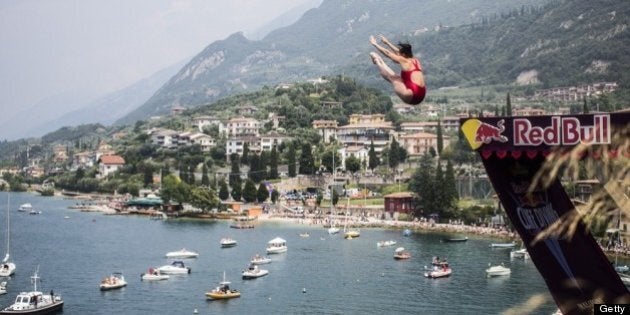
(339, 276)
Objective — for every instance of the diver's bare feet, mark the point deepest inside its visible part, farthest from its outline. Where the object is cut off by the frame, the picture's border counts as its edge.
(375, 57)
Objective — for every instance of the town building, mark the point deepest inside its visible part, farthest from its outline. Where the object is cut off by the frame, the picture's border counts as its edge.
(327, 129)
(201, 122)
(528, 111)
(420, 143)
(359, 152)
(108, 164)
(241, 126)
(402, 202)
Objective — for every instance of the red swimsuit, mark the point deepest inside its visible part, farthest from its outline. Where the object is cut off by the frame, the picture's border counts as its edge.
(418, 92)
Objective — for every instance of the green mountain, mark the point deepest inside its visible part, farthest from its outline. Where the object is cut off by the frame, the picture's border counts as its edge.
(329, 40)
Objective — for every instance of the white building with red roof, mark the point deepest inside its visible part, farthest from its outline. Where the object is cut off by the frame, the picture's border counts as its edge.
(108, 164)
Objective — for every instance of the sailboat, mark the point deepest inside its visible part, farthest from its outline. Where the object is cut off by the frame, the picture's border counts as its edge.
(7, 268)
(349, 233)
(332, 229)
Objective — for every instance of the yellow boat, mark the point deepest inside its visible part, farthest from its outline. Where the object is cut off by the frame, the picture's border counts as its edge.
(352, 234)
(223, 291)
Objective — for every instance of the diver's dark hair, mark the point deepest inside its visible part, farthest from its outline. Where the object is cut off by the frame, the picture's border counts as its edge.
(405, 50)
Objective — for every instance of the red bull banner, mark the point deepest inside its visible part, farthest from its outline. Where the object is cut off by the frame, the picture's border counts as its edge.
(513, 149)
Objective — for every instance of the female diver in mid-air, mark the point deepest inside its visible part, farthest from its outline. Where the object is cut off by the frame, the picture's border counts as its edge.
(409, 86)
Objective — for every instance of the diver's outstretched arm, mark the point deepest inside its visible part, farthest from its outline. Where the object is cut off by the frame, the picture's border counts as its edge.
(393, 47)
(388, 53)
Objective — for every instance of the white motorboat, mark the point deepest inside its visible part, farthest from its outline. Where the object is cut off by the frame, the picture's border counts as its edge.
(35, 302)
(499, 270)
(401, 253)
(386, 243)
(153, 274)
(228, 242)
(623, 268)
(25, 207)
(175, 268)
(182, 253)
(439, 272)
(3, 287)
(7, 268)
(520, 253)
(33, 211)
(260, 260)
(503, 245)
(253, 272)
(306, 234)
(277, 246)
(333, 230)
(114, 281)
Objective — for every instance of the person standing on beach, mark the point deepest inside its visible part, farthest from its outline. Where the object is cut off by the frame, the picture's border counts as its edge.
(409, 85)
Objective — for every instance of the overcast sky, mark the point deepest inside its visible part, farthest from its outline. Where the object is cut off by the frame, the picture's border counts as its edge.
(91, 47)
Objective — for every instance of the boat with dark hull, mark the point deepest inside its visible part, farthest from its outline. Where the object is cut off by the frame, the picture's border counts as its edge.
(35, 302)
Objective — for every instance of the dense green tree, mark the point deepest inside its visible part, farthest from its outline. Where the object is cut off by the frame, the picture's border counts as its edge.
(585, 106)
(263, 193)
(327, 159)
(353, 164)
(174, 189)
(203, 198)
(421, 183)
(249, 191)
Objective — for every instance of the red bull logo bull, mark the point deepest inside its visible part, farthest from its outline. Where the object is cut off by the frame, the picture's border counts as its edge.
(478, 132)
(562, 131)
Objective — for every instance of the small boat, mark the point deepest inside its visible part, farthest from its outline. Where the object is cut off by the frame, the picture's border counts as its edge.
(304, 235)
(158, 215)
(407, 232)
(33, 211)
(277, 246)
(182, 253)
(436, 261)
(503, 245)
(439, 272)
(260, 260)
(176, 267)
(242, 226)
(115, 281)
(386, 243)
(228, 242)
(34, 302)
(400, 253)
(455, 239)
(352, 234)
(254, 272)
(25, 207)
(154, 274)
(223, 291)
(623, 268)
(520, 253)
(333, 230)
(499, 270)
(3, 287)
(7, 268)
(625, 278)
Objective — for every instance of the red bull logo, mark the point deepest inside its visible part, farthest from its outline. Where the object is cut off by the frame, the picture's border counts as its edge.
(478, 132)
(562, 131)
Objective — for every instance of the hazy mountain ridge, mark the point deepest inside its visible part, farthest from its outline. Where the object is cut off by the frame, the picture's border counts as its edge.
(325, 41)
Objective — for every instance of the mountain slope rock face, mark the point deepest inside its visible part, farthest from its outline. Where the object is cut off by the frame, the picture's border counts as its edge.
(460, 42)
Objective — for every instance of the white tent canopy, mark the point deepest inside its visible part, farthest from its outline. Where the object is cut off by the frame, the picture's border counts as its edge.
(277, 240)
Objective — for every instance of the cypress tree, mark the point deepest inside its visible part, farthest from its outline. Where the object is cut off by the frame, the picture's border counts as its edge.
(584, 106)
(236, 190)
(262, 193)
(245, 155)
(440, 140)
(235, 171)
(249, 191)
(374, 161)
(306, 160)
(291, 161)
(224, 194)
(205, 180)
(273, 164)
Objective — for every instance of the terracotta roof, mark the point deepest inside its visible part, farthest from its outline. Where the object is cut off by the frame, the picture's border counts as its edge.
(112, 159)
